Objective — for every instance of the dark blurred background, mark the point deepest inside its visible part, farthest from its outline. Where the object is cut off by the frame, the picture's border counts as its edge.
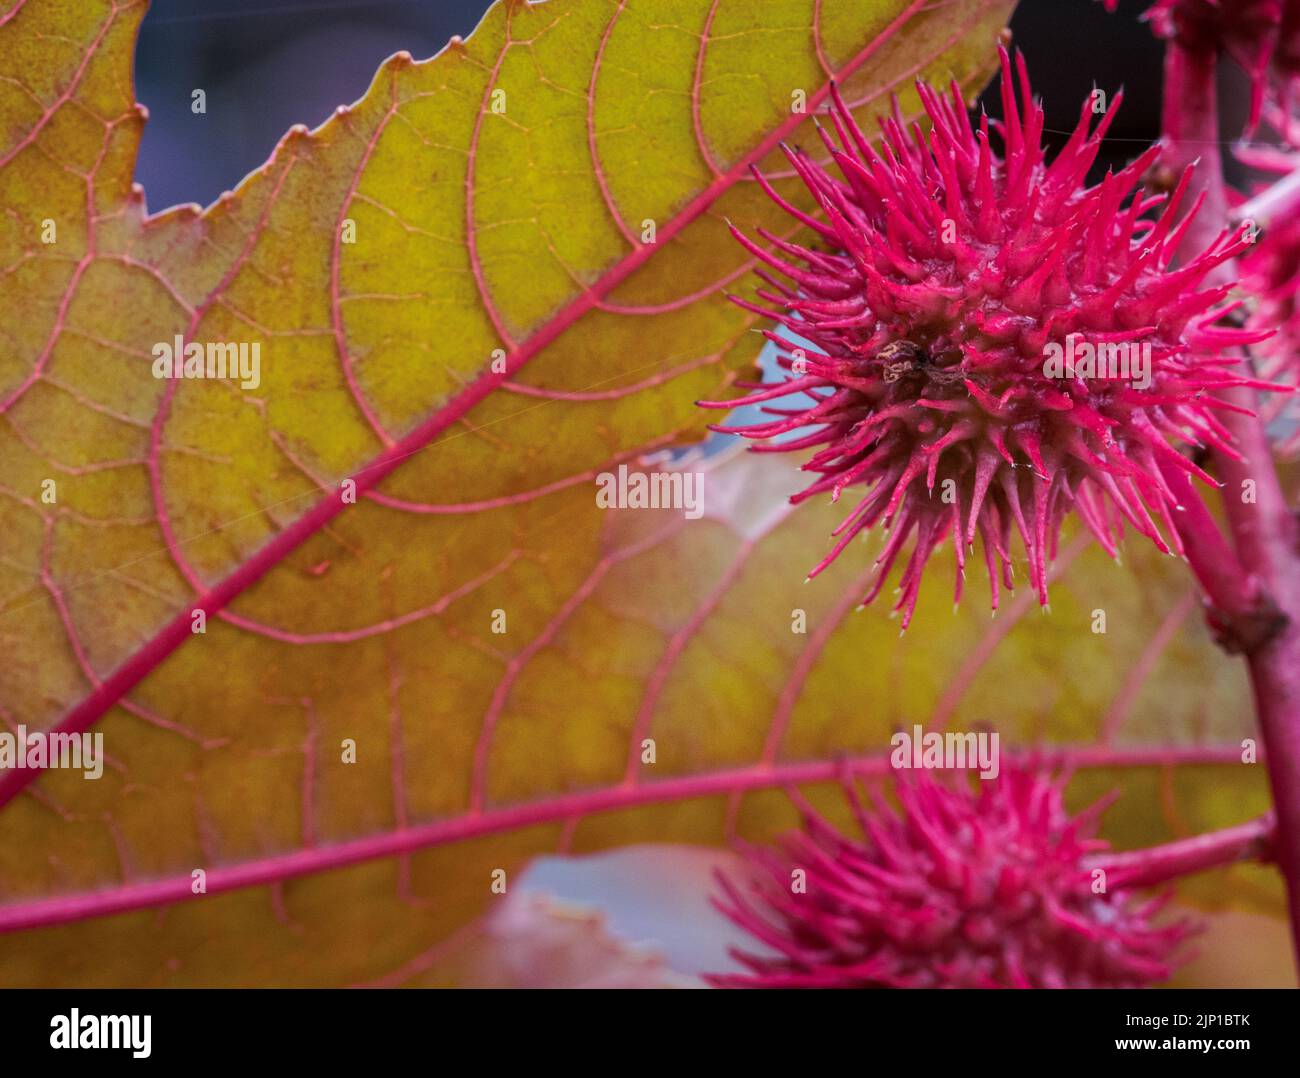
(264, 65)
(268, 64)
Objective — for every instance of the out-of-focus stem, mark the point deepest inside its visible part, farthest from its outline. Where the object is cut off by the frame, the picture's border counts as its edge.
(1281, 199)
(1263, 527)
(1229, 590)
(1250, 841)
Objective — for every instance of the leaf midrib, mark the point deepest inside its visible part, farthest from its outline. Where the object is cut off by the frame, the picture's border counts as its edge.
(275, 868)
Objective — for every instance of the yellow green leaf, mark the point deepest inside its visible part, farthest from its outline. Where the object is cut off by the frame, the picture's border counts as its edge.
(571, 228)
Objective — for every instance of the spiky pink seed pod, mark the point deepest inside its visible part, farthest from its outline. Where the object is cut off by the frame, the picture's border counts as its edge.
(1270, 273)
(950, 268)
(954, 889)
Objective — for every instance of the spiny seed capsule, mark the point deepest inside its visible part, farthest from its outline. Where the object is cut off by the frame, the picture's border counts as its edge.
(950, 889)
(985, 344)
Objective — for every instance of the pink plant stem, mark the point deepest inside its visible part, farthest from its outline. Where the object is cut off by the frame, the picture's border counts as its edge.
(1263, 530)
(1226, 584)
(1251, 841)
(1277, 202)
